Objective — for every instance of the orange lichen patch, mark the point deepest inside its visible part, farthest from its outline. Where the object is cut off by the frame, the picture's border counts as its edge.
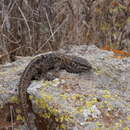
(119, 54)
(106, 47)
(118, 57)
(115, 4)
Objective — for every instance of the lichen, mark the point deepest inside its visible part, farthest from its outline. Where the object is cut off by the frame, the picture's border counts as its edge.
(63, 96)
(106, 96)
(128, 117)
(89, 104)
(62, 126)
(91, 113)
(98, 124)
(98, 71)
(3, 91)
(14, 99)
(79, 109)
(48, 112)
(126, 128)
(19, 118)
(78, 97)
(52, 83)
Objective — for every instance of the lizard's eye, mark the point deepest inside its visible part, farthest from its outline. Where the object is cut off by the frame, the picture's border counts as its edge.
(73, 65)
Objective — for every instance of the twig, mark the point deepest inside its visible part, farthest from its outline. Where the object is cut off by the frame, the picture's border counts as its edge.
(17, 18)
(51, 36)
(14, 51)
(11, 113)
(7, 13)
(24, 20)
(10, 39)
(49, 24)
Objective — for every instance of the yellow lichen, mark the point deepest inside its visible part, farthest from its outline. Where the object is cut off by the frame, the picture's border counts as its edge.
(46, 115)
(64, 117)
(128, 117)
(2, 73)
(63, 96)
(105, 102)
(106, 92)
(97, 129)
(99, 71)
(61, 118)
(77, 97)
(52, 83)
(79, 109)
(94, 100)
(106, 96)
(30, 97)
(62, 126)
(1, 106)
(3, 91)
(41, 103)
(47, 83)
(98, 124)
(46, 96)
(126, 128)
(118, 125)
(18, 111)
(14, 99)
(19, 117)
(91, 103)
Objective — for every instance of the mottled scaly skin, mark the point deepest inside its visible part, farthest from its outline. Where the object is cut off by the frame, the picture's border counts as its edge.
(43, 63)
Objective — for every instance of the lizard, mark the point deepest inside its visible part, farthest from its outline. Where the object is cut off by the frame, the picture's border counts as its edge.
(44, 63)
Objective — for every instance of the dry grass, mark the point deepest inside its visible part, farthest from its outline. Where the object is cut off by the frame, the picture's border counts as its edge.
(28, 28)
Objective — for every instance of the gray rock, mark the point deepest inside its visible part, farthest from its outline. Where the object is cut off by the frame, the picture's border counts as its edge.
(97, 99)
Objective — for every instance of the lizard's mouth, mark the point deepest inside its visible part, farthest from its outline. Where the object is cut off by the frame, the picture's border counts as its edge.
(85, 68)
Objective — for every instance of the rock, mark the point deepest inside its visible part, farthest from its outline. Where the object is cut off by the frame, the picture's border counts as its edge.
(95, 100)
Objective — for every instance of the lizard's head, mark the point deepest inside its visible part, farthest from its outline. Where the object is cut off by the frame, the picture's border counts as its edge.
(78, 65)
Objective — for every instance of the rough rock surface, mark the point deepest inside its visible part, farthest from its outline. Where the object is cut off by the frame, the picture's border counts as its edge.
(99, 99)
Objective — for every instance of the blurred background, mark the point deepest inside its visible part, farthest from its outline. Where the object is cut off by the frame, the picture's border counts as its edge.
(29, 27)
